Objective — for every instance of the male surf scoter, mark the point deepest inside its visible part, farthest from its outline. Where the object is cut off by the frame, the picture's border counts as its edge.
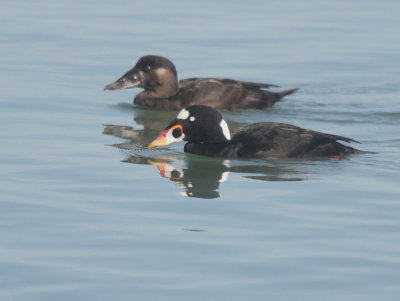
(162, 90)
(208, 134)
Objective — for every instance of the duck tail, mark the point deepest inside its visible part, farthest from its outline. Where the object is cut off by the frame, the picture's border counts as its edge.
(360, 152)
(287, 92)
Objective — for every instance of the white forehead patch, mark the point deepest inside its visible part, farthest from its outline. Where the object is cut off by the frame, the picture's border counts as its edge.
(183, 114)
(225, 129)
(227, 163)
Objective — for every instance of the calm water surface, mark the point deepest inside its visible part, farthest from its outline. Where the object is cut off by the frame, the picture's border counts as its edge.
(86, 213)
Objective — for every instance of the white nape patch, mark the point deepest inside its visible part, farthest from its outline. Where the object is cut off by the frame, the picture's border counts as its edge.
(192, 118)
(224, 177)
(225, 129)
(183, 114)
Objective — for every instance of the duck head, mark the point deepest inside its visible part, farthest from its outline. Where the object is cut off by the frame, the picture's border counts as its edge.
(153, 73)
(195, 124)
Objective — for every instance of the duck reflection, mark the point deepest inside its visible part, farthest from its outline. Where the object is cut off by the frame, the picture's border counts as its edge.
(195, 178)
(201, 177)
(149, 122)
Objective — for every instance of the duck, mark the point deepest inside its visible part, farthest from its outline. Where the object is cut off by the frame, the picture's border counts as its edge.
(158, 77)
(208, 134)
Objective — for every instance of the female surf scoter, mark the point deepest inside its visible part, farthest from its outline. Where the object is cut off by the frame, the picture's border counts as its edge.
(208, 134)
(162, 90)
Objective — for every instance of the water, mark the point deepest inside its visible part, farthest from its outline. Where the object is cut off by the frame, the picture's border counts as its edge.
(87, 215)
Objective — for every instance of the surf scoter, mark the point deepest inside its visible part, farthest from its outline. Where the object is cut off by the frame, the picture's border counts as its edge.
(162, 90)
(208, 134)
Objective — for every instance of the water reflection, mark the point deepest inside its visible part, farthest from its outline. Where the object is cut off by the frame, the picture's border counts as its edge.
(151, 123)
(196, 177)
(201, 177)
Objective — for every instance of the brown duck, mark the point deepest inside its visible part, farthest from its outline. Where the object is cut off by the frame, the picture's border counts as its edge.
(162, 90)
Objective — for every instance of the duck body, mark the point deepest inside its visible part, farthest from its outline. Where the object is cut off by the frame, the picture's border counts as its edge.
(270, 140)
(207, 134)
(162, 90)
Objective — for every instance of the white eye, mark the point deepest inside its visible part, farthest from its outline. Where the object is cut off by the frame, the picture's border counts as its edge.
(192, 118)
(183, 114)
(225, 129)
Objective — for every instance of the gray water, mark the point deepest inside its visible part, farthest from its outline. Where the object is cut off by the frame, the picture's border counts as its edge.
(87, 214)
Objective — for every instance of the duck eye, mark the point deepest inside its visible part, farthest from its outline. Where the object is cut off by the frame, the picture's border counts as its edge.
(148, 67)
(177, 132)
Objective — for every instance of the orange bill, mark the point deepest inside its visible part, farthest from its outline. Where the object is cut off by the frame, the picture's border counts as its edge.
(161, 140)
(168, 136)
